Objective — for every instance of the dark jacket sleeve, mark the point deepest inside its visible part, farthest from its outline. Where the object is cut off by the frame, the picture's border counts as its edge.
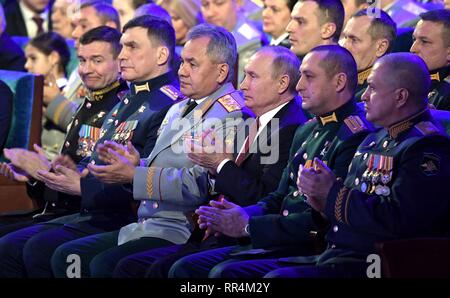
(6, 100)
(246, 188)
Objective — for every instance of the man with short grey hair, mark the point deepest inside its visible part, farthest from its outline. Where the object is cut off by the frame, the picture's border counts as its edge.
(167, 184)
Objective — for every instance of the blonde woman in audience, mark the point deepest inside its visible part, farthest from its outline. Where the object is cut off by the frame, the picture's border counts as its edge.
(185, 15)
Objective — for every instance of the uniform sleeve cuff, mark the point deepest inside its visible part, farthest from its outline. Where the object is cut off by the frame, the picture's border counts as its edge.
(336, 202)
(146, 183)
(222, 164)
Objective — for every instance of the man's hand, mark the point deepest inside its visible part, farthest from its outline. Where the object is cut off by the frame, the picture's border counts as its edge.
(65, 161)
(209, 152)
(63, 180)
(223, 217)
(119, 171)
(28, 162)
(12, 173)
(315, 183)
(130, 153)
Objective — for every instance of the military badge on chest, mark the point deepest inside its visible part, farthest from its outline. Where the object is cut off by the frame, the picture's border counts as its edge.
(377, 175)
(124, 132)
(89, 136)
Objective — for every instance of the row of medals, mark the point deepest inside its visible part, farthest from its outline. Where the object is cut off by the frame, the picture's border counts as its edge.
(377, 175)
(124, 132)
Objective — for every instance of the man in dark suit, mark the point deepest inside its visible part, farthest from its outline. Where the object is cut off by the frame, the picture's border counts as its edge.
(6, 100)
(280, 223)
(11, 55)
(255, 170)
(28, 17)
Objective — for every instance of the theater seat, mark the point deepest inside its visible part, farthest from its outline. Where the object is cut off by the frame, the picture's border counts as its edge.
(24, 132)
(415, 258)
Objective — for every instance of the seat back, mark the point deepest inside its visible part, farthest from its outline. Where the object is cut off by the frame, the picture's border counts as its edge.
(25, 131)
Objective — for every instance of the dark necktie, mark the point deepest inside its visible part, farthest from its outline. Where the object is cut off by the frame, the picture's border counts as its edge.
(39, 23)
(189, 107)
(248, 142)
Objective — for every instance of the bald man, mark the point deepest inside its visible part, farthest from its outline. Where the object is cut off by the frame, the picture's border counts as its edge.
(394, 187)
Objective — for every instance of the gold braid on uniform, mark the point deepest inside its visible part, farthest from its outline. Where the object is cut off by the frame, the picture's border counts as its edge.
(150, 173)
(404, 125)
(338, 205)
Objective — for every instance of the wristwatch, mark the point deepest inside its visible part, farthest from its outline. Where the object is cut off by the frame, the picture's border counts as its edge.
(247, 229)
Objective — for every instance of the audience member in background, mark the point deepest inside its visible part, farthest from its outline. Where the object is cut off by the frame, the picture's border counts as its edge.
(185, 15)
(6, 101)
(28, 17)
(368, 38)
(314, 23)
(47, 54)
(127, 8)
(226, 14)
(276, 16)
(432, 44)
(11, 55)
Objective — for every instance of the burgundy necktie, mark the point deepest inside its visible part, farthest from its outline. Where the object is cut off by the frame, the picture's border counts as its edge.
(39, 23)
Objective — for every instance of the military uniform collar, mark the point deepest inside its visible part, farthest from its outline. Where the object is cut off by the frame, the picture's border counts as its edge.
(98, 95)
(337, 115)
(152, 84)
(363, 75)
(440, 74)
(403, 126)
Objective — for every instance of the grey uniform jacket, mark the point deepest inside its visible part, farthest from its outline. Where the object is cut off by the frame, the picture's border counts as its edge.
(170, 186)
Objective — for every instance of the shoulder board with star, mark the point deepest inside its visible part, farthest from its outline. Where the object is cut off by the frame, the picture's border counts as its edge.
(229, 103)
(355, 124)
(426, 128)
(171, 92)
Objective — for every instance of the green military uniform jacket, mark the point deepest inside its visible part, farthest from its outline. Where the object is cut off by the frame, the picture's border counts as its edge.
(332, 138)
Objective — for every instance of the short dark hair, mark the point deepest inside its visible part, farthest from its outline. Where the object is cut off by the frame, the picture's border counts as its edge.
(105, 34)
(285, 62)
(221, 46)
(159, 32)
(409, 71)
(339, 60)
(138, 3)
(49, 42)
(381, 26)
(106, 13)
(440, 16)
(331, 11)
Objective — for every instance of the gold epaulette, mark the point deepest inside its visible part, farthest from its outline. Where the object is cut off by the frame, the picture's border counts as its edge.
(229, 103)
(363, 75)
(426, 128)
(171, 92)
(355, 124)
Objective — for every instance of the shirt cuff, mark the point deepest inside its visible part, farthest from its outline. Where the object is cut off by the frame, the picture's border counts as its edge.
(219, 168)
